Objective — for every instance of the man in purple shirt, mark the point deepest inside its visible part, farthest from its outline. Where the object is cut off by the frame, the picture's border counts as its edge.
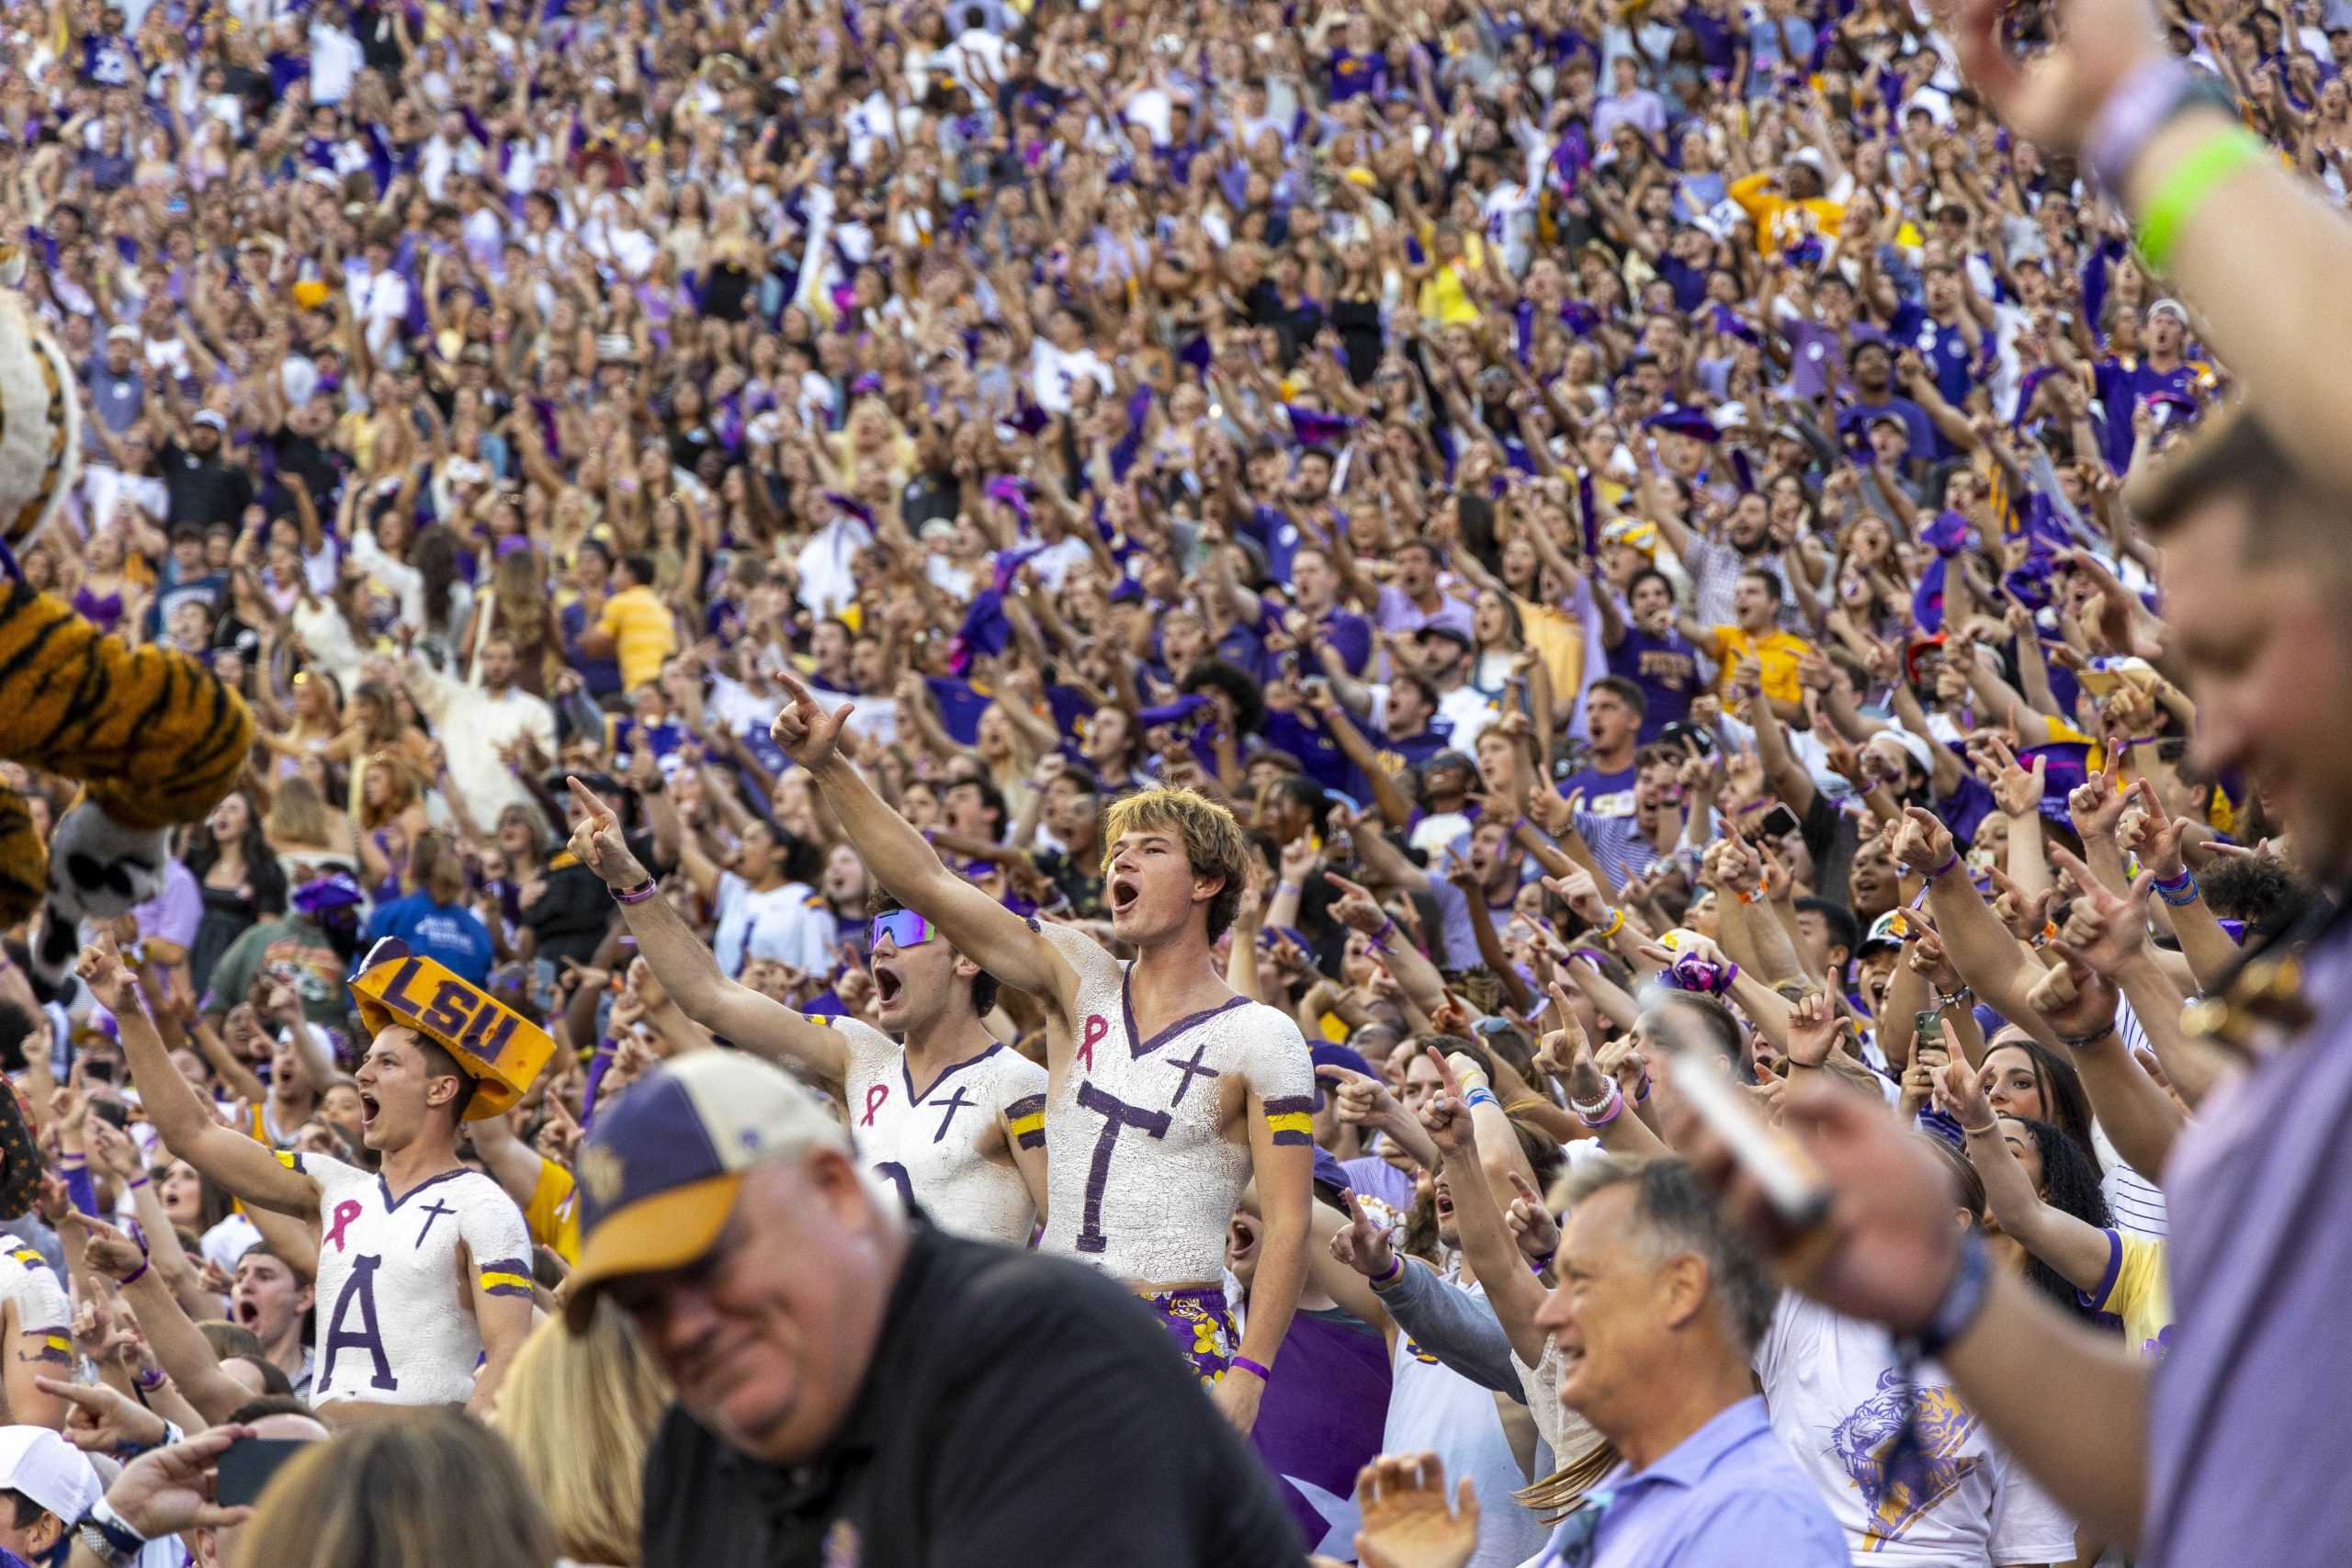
(1414, 602)
(1631, 104)
(2222, 1452)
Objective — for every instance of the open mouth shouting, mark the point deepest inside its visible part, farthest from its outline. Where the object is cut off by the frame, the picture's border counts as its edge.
(1125, 890)
(246, 1310)
(887, 982)
(368, 1106)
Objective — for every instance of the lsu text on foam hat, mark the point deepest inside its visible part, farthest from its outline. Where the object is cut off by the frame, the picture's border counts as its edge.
(49, 1470)
(498, 1047)
(659, 1176)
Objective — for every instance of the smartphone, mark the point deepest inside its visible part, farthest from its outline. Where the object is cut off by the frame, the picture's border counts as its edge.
(1778, 823)
(1928, 1024)
(247, 1465)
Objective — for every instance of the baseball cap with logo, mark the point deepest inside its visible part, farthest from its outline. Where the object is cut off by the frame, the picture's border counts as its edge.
(1889, 930)
(43, 1466)
(659, 1176)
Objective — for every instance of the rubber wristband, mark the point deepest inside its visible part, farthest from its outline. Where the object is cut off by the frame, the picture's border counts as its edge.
(2224, 153)
(132, 1278)
(638, 894)
(1616, 923)
(136, 1184)
(1480, 1097)
(1390, 1275)
(152, 1378)
(1244, 1364)
(1282, 888)
(1380, 938)
(2174, 884)
(2184, 899)
(1938, 874)
(2136, 107)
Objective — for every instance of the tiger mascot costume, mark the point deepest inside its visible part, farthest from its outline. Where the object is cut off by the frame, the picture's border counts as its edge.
(151, 735)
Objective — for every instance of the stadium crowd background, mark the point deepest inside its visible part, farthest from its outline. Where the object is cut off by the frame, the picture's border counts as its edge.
(1611, 499)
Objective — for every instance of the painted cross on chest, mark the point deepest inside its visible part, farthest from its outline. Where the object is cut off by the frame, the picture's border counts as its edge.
(432, 1211)
(954, 1103)
(1192, 1069)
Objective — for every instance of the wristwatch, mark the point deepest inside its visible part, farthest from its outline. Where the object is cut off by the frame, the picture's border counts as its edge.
(103, 1534)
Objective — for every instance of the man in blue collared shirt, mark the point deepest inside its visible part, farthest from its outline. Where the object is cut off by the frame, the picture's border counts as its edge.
(1657, 1313)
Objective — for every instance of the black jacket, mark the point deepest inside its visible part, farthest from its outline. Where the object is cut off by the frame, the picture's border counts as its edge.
(1019, 1410)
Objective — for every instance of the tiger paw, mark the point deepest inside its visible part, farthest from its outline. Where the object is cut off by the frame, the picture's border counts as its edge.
(99, 868)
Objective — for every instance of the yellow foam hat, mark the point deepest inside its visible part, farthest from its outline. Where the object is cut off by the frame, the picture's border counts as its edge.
(500, 1049)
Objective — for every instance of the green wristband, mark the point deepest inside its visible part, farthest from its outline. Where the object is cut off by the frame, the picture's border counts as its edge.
(2185, 190)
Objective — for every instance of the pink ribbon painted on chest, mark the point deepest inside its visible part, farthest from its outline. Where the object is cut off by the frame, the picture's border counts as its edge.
(345, 1212)
(1097, 1026)
(875, 1095)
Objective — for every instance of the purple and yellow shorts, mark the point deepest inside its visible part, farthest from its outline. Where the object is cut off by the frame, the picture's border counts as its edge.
(1201, 1324)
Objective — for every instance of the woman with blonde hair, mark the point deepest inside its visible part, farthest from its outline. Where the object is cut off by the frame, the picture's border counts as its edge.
(436, 1490)
(581, 1411)
(303, 834)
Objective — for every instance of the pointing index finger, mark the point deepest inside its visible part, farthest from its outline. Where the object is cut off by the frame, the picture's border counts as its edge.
(588, 798)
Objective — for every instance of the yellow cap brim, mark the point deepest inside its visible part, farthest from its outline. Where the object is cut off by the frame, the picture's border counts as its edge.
(666, 1230)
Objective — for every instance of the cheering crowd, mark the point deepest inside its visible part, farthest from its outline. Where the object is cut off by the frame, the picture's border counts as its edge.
(1462, 672)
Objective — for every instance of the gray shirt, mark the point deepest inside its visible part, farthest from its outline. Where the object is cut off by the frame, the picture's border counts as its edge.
(2260, 1187)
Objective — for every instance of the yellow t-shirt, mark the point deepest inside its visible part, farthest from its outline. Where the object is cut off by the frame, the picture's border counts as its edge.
(1444, 296)
(2138, 1291)
(1781, 222)
(553, 1213)
(1776, 654)
(642, 631)
(1557, 638)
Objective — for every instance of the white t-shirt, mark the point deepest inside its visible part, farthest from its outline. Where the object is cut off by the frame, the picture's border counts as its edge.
(790, 923)
(1837, 1402)
(1434, 1409)
(28, 1284)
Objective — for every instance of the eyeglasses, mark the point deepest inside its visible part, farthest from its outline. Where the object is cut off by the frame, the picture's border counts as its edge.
(904, 927)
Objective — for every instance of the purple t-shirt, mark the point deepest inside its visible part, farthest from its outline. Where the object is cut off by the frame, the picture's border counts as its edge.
(2260, 1191)
(1665, 668)
(174, 914)
(1394, 613)
(1323, 1414)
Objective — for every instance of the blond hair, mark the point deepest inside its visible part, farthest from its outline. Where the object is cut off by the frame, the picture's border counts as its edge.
(435, 1490)
(581, 1412)
(1213, 843)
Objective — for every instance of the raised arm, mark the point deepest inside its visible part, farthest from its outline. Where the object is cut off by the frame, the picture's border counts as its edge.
(2074, 1247)
(686, 966)
(249, 1169)
(983, 930)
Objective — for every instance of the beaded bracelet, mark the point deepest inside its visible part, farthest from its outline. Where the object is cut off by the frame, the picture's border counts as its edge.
(1604, 1110)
